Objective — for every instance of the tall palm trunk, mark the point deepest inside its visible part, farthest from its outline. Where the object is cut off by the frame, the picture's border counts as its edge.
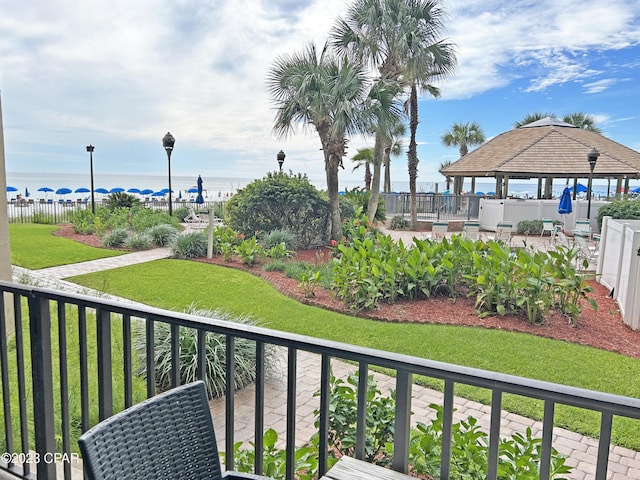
(412, 154)
(372, 206)
(332, 158)
(387, 170)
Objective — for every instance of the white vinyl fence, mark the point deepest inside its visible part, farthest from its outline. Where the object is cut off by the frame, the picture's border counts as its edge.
(618, 264)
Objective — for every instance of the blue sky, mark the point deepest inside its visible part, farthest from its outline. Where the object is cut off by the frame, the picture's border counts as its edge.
(120, 74)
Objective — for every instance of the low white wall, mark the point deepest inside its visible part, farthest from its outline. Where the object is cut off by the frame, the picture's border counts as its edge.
(514, 211)
(619, 266)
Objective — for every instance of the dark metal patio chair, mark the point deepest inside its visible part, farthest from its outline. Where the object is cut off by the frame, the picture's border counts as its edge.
(168, 436)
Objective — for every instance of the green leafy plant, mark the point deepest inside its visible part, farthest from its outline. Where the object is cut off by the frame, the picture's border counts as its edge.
(309, 281)
(398, 222)
(121, 200)
(215, 357)
(274, 459)
(82, 221)
(249, 251)
(275, 238)
(530, 227)
(622, 209)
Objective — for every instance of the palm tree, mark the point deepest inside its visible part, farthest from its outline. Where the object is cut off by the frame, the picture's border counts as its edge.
(399, 39)
(582, 120)
(394, 148)
(329, 93)
(463, 135)
(364, 157)
(532, 117)
(444, 164)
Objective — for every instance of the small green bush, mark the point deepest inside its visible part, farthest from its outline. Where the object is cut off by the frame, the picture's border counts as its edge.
(121, 200)
(295, 270)
(189, 245)
(215, 357)
(82, 222)
(277, 265)
(162, 234)
(116, 238)
(181, 213)
(530, 227)
(276, 237)
(398, 222)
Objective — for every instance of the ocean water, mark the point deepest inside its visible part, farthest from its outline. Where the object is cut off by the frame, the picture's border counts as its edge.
(216, 187)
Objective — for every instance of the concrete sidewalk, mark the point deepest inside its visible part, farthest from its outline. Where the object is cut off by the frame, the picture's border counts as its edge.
(624, 464)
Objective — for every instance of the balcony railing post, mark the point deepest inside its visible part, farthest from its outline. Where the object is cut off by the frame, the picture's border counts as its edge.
(42, 377)
(402, 422)
(105, 377)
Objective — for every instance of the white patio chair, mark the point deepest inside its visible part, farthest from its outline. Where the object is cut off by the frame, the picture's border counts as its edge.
(583, 226)
(547, 226)
(504, 231)
(439, 230)
(471, 230)
(585, 250)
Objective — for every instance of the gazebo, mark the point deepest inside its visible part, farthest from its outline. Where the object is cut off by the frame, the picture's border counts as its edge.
(546, 149)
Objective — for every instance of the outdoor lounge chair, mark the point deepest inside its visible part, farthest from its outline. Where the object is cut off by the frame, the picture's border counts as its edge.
(471, 230)
(585, 251)
(168, 436)
(547, 226)
(503, 232)
(438, 230)
(583, 226)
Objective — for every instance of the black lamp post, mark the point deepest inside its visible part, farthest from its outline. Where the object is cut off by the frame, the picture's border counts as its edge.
(93, 200)
(592, 158)
(168, 142)
(280, 158)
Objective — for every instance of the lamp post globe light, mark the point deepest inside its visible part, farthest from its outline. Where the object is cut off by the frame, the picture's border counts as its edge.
(280, 158)
(168, 142)
(90, 149)
(592, 158)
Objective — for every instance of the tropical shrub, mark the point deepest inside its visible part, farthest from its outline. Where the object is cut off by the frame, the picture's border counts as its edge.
(215, 356)
(360, 199)
(121, 200)
(250, 251)
(181, 213)
(116, 238)
(280, 202)
(189, 245)
(622, 209)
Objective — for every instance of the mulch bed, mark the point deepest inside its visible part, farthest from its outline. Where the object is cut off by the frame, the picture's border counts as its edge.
(603, 328)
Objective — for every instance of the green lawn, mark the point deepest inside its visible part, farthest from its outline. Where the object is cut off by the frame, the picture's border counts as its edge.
(175, 284)
(34, 247)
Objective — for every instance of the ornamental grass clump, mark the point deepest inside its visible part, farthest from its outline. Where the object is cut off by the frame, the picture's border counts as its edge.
(215, 354)
(189, 245)
(163, 234)
(116, 238)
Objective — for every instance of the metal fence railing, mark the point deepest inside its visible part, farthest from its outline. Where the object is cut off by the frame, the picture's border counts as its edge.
(38, 326)
(434, 207)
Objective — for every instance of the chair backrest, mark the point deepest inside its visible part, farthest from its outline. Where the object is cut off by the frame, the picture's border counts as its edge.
(547, 225)
(583, 226)
(504, 231)
(167, 436)
(438, 229)
(471, 230)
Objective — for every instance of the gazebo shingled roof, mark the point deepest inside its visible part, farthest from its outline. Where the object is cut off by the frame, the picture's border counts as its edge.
(547, 148)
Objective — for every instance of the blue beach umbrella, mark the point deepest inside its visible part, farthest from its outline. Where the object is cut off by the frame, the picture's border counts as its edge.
(158, 194)
(199, 198)
(479, 193)
(26, 192)
(63, 191)
(636, 190)
(45, 189)
(11, 189)
(565, 208)
(81, 190)
(146, 191)
(101, 190)
(192, 190)
(134, 190)
(116, 190)
(581, 188)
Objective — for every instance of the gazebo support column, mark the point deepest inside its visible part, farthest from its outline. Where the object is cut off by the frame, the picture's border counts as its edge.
(539, 188)
(505, 193)
(473, 185)
(498, 188)
(619, 187)
(626, 187)
(548, 187)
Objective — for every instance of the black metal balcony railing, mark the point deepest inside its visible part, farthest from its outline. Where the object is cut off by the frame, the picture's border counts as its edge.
(43, 319)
